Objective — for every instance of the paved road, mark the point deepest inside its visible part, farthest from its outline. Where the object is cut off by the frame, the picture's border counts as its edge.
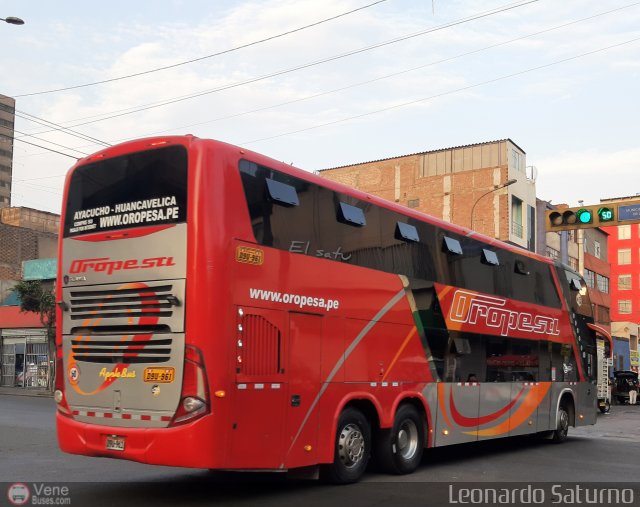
(608, 452)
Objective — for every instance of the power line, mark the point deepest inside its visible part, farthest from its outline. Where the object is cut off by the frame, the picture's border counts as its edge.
(57, 128)
(387, 76)
(226, 51)
(303, 66)
(450, 92)
(45, 148)
(45, 140)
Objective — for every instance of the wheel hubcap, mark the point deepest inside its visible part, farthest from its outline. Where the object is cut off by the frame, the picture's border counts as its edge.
(351, 445)
(564, 422)
(407, 439)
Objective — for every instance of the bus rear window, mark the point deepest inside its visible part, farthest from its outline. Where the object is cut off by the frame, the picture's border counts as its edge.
(135, 190)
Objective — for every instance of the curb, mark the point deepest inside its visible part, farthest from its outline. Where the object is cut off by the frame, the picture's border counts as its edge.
(20, 391)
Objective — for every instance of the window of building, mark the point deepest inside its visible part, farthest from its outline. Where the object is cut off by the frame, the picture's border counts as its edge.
(516, 216)
(590, 278)
(596, 249)
(624, 232)
(553, 253)
(624, 306)
(624, 256)
(573, 262)
(603, 283)
(624, 282)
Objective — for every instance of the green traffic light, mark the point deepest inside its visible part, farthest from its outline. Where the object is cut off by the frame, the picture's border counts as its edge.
(584, 216)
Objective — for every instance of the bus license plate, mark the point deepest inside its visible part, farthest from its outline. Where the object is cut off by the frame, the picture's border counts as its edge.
(115, 443)
(160, 375)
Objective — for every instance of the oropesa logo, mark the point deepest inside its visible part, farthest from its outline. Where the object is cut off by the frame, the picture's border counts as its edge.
(18, 493)
(108, 266)
(480, 309)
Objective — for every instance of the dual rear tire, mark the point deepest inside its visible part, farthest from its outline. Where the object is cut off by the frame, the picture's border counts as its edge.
(397, 450)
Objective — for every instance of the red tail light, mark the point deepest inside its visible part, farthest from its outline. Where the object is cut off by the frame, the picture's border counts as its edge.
(194, 398)
(59, 396)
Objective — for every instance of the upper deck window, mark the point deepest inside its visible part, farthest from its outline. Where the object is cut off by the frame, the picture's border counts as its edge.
(351, 215)
(490, 257)
(406, 232)
(281, 193)
(452, 245)
(135, 190)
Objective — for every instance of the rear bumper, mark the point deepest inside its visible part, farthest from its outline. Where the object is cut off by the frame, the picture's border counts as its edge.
(189, 445)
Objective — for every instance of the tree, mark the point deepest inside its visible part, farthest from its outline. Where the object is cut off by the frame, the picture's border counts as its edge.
(36, 298)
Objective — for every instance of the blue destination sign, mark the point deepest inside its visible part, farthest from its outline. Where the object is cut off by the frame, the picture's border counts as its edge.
(629, 212)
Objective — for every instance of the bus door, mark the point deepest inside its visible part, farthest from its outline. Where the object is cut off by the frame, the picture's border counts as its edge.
(258, 418)
(546, 408)
(303, 373)
(459, 395)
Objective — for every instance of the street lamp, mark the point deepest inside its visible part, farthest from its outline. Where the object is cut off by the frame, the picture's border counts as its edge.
(12, 20)
(494, 189)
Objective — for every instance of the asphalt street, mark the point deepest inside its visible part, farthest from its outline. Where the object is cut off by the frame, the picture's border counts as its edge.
(606, 453)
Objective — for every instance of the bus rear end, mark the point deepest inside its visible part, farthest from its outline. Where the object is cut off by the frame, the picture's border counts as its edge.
(127, 382)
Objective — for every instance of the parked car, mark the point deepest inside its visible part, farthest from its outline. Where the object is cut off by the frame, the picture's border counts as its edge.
(623, 382)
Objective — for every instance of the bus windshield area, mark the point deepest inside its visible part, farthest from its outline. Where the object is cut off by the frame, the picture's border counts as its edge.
(136, 190)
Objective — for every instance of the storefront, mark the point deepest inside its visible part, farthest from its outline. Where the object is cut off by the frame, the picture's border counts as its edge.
(25, 361)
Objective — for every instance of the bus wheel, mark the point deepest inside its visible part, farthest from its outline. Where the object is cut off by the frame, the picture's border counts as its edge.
(352, 450)
(560, 433)
(399, 450)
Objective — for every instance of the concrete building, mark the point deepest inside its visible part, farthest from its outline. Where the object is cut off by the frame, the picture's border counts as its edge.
(7, 120)
(624, 255)
(29, 234)
(584, 251)
(461, 185)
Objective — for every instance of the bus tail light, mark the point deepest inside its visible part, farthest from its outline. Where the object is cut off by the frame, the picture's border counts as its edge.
(194, 398)
(58, 395)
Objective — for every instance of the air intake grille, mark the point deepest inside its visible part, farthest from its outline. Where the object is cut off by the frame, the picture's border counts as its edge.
(129, 308)
(135, 351)
(134, 303)
(261, 350)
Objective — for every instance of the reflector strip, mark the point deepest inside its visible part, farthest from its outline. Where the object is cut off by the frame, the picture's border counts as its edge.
(128, 417)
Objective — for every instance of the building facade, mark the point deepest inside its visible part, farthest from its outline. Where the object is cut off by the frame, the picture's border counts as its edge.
(7, 120)
(624, 255)
(585, 251)
(462, 185)
(27, 234)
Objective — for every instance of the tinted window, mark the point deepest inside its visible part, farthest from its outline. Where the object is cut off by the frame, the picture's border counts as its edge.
(282, 193)
(140, 189)
(406, 232)
(389, 241)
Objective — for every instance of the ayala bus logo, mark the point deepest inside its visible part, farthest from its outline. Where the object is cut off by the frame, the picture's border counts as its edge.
(108, 266)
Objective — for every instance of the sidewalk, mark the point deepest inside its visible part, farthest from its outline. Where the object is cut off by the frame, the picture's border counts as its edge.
(20, 391)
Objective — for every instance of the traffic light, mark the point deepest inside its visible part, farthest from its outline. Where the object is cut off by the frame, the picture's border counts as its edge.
(582, 217)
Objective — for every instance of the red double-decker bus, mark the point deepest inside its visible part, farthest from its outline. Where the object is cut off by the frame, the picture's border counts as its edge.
(219, 309)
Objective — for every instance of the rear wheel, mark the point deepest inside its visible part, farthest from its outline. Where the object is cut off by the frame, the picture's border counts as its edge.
(352, 449)
(562, 430)
(399, 450)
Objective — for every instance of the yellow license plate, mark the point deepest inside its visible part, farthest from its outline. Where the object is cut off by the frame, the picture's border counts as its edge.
(160, 375)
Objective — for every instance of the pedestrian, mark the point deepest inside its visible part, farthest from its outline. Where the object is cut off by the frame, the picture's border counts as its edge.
(633, 392)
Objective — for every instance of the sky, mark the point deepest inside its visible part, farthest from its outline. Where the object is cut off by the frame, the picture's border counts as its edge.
(327, 83)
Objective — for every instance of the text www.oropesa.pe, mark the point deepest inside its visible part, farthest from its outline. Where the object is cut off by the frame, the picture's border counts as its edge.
(294, 299)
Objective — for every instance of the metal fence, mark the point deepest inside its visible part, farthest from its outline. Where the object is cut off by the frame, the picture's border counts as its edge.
(26, 364)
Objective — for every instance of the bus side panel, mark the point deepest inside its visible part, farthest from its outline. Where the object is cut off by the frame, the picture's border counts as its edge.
(301, 427)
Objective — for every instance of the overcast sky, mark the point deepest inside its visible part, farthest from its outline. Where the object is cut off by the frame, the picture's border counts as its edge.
(569, 96)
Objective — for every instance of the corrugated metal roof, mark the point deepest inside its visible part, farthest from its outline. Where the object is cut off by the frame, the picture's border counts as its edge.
(423, 153)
